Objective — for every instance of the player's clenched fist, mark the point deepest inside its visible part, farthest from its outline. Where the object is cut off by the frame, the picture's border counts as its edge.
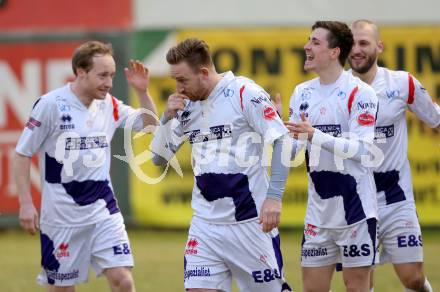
(176, 101)
(29, 218)
(270, 214)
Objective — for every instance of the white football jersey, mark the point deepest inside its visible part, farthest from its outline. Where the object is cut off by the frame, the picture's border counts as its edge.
(227, 132)
(74, 146)
(341, 191)
(397, 92)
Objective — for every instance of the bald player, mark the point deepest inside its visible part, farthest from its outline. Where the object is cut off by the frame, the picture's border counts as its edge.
(400, 237)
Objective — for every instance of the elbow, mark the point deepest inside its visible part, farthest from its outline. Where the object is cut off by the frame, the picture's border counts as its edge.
(20, 158)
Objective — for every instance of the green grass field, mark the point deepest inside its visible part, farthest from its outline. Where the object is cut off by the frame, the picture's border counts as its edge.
(159, 263)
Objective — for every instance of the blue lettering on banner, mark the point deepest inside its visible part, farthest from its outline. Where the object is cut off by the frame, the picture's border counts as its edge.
(384, 132)
(197, 272)
(334, 130)
(409, 240)
(266, 275)
(215, 133)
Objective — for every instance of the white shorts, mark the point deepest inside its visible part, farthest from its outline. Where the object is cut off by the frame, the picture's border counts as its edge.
(354, 246)
(215, 253)
(67, 252)
(400, 236)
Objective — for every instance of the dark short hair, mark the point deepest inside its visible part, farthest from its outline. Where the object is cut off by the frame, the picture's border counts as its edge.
(339, 36)
(193, 51)
(83, 55)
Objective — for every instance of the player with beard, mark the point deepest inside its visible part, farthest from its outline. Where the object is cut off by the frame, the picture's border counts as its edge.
(227, 119)
(399, 229)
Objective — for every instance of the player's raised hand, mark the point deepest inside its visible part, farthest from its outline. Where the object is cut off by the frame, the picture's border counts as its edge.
(176, 101)
(29, 218)
(277, 103)
(301, 129)
(137, 76)
(270, 214)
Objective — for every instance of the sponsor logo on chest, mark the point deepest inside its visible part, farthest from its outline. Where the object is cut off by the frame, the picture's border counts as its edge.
(215, 133)
(366, 105)
(82, 143)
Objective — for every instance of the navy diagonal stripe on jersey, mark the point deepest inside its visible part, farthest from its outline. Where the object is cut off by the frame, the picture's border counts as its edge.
(53, 170)
(89, 191)
(214, 186)
(388, 182)
(83, 192)
(329, 184)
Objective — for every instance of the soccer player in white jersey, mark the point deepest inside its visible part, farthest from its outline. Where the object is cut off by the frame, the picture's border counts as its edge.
(336, 112)
(227, 120)
(71, 128)
(398, 91)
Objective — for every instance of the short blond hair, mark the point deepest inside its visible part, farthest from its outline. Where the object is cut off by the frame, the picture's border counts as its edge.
(83, 55)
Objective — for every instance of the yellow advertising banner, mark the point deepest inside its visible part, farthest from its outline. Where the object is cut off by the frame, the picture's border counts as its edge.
(274, 59)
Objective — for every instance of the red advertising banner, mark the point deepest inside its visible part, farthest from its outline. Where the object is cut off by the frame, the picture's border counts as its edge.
(53, 15)
(27, 71)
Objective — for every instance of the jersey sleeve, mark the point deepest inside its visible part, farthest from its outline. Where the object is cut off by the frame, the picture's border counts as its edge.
(421, 103)
(122, 113)
(260, 112)
(41, 124)
(362, 108)
(168, 138)
(363, 113)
